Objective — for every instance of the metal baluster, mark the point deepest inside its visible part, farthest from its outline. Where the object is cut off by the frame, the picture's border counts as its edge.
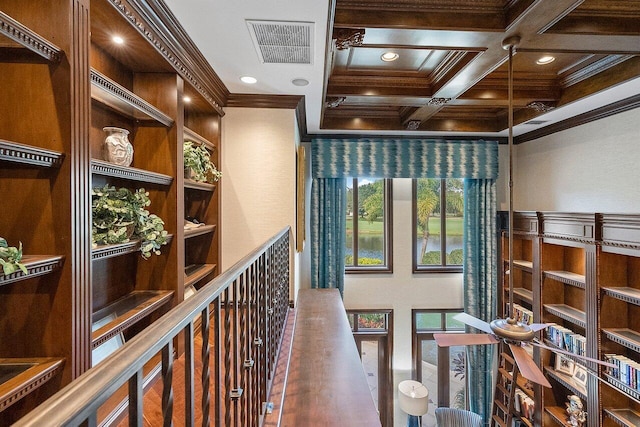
(205, 366)
(136, 398)
(167, 381)
(189, 369)
(227, 359)
(217, 304)
(255, 400)
(246, 358)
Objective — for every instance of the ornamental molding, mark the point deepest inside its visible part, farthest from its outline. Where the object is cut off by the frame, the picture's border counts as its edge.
(540, 106)
(163, 47)
(437, 102)
(348, 37)
(413, 125)
(28, 38)
(334, 102)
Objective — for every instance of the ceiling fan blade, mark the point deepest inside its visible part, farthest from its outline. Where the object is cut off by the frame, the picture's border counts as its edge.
(448, 340)
(538, 326)
(588, 359)
(527, 366)
(468, 319)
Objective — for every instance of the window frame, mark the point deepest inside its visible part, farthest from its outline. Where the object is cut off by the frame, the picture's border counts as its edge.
(443, 267)
(419, 335)
(387, 267)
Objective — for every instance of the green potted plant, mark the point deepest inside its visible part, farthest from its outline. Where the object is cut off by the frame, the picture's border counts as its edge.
(10, 258)
(120, 214)
(198, 165)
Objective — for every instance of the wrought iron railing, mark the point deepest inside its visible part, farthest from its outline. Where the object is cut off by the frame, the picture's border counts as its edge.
(241, 315)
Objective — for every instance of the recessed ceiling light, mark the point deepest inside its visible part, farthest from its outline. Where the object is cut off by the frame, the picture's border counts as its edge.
(186, 99)
(248, 79)
(545, 60)
(300, 82)
(389, 56)
(117, 40)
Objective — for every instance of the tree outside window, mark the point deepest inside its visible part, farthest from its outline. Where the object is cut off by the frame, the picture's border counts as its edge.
(368, 233)
(438, 206)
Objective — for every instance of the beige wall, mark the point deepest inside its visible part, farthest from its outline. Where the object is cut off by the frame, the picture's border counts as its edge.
(258, 183)
(590, 168)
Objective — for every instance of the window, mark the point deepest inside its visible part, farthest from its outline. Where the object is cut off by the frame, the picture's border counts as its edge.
(368, 242)
(441, 369)
(437, 224)
(373, 334)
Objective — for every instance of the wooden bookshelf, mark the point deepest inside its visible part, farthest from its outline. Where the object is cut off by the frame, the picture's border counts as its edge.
(199, 231)
(202, 186)
(100, 167)
(567, 277)
(36, 265)
(196, 272)
(568, 313)
(558, 414)
(29, 39)
(193, 136)
(28, 155)
(19, 377)
(126, 311)
(623, 417)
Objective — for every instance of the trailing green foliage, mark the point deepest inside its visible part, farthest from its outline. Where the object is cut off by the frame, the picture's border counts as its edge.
(10, 257)
(433, 258)
(198, 160)
(120, 214)
(348, 260)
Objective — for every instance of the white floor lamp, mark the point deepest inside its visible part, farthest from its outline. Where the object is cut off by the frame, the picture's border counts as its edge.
(413, 398)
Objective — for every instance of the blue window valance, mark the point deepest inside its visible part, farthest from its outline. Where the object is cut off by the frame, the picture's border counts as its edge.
(404, 158)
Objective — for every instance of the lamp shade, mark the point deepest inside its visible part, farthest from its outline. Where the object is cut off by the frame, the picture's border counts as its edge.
(413, 397)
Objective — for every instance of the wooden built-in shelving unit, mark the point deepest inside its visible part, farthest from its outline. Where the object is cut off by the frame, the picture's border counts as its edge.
(585, 276)
(56, 100)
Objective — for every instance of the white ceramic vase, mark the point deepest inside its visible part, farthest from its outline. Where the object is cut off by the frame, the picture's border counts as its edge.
(117, 147)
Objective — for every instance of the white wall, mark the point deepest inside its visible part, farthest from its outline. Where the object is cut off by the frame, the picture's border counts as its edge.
(258, 183)
(402, 290)
(589, 168)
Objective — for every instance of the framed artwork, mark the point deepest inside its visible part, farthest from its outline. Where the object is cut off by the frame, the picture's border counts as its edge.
(300, 202)
(564, 364)
(580, 375)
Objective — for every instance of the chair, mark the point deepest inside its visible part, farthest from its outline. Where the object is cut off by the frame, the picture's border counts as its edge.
(452, 417)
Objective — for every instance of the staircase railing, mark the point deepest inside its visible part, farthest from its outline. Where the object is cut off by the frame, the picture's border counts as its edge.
(241, 315)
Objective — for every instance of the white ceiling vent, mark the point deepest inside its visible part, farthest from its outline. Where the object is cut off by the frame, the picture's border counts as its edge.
(282, 42)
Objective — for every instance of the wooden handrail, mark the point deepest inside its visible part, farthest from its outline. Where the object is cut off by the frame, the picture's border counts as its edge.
(266, 273)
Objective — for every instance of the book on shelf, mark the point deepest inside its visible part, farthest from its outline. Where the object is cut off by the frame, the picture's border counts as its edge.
(522, 314)
(524, 404)
(565, 338)
(626, 370)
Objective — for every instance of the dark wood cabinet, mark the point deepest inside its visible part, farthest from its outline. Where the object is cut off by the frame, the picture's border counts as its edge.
(62, 80)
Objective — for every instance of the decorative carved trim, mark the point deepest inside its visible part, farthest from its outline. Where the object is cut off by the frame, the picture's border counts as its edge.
(36, 266)
(568, 238)
(134, 11)
(594, 68)
(113, 95)
(28, 38)
(623, 295)
(21, 153)
(619, 245)
(437, 102)
(348, 37)
(413, 124)
(334, 102)
(100, 167)
(540, 106)
(109, 251)
(42, 371)
(616, 383)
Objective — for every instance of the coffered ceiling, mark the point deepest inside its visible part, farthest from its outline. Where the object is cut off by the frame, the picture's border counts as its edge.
(450, 76)
(451, 70)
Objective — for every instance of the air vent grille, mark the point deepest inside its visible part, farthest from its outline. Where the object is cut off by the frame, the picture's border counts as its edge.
(282, 42)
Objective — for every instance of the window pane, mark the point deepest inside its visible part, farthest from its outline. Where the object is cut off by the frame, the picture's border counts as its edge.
(457, 389)
(428, 222)
(371, 321)
(453, 324)
(428, 321)
(455, 206)
(369, 358)
(430, 379)
(370, 221)
(348, 261)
